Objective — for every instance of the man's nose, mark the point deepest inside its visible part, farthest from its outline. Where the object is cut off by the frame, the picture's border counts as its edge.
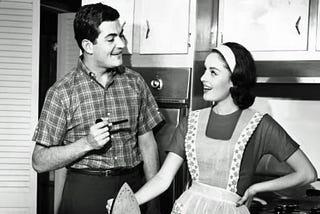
(120, 42)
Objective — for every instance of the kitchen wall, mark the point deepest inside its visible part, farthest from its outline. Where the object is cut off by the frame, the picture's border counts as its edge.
(301, 119)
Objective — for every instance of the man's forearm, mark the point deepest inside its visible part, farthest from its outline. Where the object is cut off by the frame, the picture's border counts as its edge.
(149, 151)
(151, 167)
(55, 157)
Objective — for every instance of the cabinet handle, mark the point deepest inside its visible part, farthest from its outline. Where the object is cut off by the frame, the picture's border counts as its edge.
(297, 24)
(148, 29)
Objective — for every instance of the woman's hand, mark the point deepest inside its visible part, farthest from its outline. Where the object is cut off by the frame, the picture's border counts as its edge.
(109, 205)
(247, 196)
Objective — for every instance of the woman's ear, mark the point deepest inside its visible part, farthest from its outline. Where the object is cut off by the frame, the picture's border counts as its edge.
(230, 82)
(87, 46)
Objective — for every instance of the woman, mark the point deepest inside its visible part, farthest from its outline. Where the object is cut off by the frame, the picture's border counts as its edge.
(224, 143)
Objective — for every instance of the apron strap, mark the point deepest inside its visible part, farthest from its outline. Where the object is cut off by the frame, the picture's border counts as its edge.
(239, 150)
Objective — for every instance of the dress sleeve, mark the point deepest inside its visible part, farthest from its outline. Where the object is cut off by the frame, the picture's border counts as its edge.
(149, 115)
(275, 139)
(177, 140)
(51, 126)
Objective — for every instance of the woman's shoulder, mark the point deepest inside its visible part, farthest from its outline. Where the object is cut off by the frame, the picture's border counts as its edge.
(266, 117)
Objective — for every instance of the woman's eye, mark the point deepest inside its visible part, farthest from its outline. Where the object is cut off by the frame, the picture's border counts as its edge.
(213, 72)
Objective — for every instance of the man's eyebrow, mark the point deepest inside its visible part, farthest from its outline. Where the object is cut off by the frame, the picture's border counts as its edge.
(114, 34)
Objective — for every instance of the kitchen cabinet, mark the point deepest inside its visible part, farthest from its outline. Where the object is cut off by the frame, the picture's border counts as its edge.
(126, 10)
(270, 29)
(164, 27)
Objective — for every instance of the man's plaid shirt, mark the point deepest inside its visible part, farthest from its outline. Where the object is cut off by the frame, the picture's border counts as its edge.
(73, 104)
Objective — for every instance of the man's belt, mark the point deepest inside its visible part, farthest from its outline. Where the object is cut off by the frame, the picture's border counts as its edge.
(108, 172)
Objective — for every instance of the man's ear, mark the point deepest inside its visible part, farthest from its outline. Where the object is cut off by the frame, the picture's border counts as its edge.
(87, 46)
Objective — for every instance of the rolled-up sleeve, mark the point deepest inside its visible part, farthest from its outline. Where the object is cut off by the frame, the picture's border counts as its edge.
(149, 115)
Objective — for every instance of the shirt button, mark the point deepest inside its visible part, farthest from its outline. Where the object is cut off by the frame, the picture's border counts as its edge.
(116, 158)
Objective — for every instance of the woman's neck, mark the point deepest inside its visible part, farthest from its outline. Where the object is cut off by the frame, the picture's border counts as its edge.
(225, 107)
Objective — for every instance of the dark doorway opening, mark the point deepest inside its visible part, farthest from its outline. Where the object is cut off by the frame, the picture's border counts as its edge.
(49, 11)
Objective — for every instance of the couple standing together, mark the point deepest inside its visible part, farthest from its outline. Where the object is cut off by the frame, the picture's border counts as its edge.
(221, 144)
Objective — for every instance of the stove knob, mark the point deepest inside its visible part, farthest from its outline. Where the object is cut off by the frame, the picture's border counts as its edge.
(278, 210)
(292, 207)
(156, 84)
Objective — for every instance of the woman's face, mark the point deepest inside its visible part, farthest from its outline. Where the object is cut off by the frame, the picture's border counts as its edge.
(216, 79)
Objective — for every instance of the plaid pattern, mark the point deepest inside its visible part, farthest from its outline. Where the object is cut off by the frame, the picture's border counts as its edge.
(73, 104)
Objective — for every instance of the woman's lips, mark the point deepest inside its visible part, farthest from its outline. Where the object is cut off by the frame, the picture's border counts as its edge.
(206, 88)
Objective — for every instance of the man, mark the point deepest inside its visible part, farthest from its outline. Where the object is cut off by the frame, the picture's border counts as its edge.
(97, 121)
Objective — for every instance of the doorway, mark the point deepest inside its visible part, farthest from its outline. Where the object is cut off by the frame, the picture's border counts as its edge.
(49, 11)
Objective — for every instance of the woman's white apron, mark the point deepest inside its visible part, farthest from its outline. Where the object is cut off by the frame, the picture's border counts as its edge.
(214, 166)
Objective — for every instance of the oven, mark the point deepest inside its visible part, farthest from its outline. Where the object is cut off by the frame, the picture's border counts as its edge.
(171, 89)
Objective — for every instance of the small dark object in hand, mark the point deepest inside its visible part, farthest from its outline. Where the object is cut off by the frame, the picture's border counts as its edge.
(98, 120)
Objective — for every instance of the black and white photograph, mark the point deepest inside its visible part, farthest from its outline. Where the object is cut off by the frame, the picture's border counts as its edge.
(159, 106)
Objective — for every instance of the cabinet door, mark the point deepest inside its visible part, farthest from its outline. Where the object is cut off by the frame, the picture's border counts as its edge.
(67, 51)
(318, 30)
(125, 9)
(266, 25)
(164, 27)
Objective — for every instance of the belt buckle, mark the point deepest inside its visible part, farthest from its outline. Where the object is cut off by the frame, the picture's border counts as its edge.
(107, 172)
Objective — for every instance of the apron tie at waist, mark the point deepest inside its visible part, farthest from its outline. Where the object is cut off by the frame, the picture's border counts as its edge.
(215, 193)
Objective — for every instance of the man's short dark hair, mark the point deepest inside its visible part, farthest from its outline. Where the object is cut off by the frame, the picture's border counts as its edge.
(87, 21)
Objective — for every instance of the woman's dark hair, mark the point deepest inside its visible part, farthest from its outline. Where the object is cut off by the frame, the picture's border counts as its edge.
(243, 76)
(87, 20)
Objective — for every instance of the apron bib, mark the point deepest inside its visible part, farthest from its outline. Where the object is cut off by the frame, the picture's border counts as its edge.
(214, 165)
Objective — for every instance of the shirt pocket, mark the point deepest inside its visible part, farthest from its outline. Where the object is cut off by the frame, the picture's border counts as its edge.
(76, 126)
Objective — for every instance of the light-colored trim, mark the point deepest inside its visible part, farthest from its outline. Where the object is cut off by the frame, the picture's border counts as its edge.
(190, 144)
(239, 151)
(288, 79)
(35, 93)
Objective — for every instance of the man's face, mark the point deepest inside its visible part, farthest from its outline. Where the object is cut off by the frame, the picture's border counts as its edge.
(107, 50)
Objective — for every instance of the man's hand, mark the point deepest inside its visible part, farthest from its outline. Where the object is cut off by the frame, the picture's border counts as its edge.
(98, 136)
(109, 205)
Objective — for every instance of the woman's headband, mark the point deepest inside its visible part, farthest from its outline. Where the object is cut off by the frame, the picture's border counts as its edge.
(228, 55)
